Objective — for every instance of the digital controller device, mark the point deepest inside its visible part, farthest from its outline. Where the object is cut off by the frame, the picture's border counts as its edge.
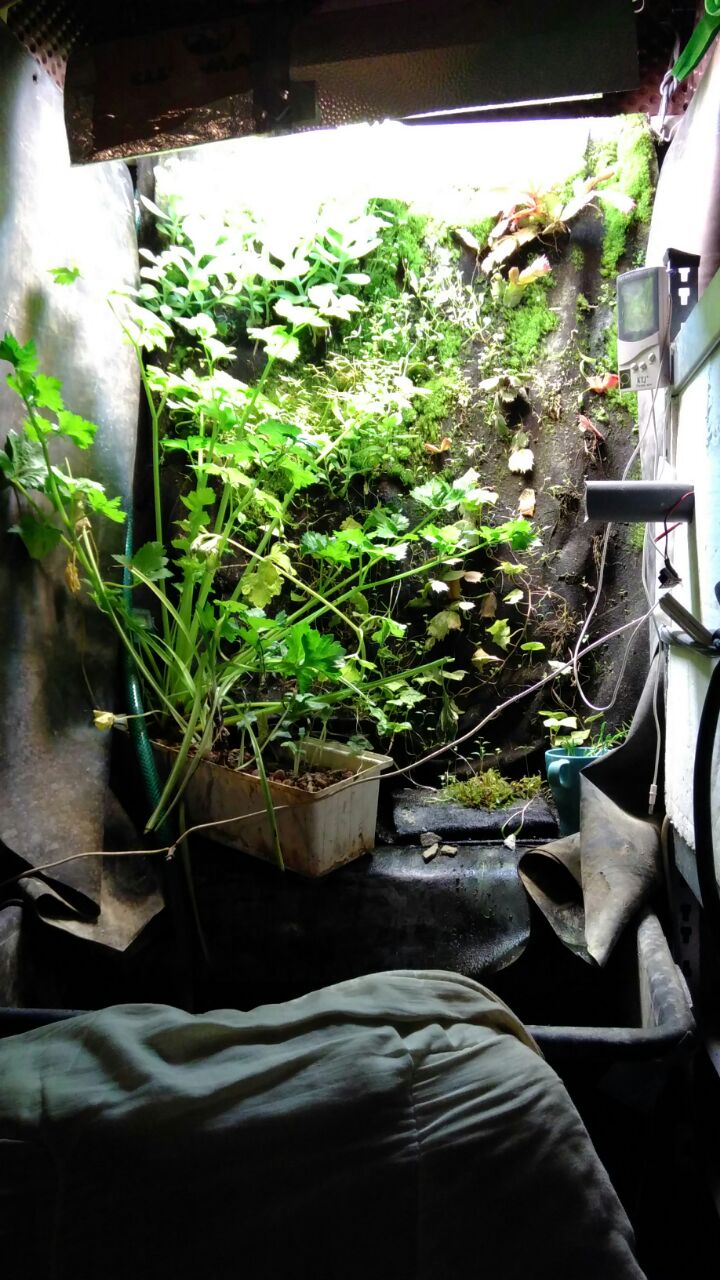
(652, 304)
(643, 316)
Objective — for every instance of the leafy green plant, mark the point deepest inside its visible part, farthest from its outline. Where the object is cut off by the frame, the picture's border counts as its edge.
(547, 213)
(571, 732)
(489, 789)
(27, 467)
(505, 390)
(271, 618)
(510, 292)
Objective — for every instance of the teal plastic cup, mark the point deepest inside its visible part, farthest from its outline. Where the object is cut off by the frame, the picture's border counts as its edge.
(563, 769)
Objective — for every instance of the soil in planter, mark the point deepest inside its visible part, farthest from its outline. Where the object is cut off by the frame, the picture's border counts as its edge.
(310, 780)
(304, 779)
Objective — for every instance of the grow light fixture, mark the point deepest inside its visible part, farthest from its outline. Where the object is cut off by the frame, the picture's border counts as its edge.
(520, 104)
(280, 65)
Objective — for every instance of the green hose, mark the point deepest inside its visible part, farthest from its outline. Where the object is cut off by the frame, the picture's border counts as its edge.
(138, 731)
(181, 902)
(699, 42)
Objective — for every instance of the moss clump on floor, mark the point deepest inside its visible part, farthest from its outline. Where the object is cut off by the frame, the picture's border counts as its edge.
(635, 163)
(490, 790)
(527, 325)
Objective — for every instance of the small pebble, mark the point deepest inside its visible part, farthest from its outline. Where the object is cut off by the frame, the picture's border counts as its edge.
(430, 852)
(449, 850)
(429, 837)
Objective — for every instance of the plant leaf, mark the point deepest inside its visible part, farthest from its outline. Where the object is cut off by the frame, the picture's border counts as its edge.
(21, 358)
(480, 657)
(260, 585)
(442, 623)
(39, 536)
(467, 238)
(500, 632)
(278, 343)
(521, 461)
(47, 393)
(65, 275)
(151, 561)
(617, 199)
(300, 315)
(203, 325)
(104, 506)
(514, 597)
(23, 461)
(310, 655)
(77, 429)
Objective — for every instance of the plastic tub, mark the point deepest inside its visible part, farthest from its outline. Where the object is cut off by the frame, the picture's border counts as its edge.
(318, 831)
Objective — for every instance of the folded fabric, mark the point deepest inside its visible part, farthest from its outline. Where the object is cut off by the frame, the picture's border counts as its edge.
(591, 884)
(400, 1125)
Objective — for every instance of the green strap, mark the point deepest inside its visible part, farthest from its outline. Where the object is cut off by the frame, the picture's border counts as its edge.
(699, 42)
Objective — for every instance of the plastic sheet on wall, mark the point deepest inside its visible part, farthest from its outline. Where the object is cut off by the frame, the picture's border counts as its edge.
(58, 656)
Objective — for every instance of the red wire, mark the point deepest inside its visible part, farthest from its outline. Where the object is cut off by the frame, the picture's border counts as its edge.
(665, 532)
(675, 505)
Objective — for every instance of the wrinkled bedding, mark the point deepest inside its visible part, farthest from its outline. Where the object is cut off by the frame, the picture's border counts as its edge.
(401, 1125)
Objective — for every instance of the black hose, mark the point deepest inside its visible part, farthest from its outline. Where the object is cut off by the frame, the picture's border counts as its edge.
(702, 806)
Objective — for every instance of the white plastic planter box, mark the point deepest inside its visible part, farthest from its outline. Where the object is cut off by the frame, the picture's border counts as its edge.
(318, 831)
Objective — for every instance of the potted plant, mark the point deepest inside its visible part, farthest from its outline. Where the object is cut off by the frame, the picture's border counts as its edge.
(569, 753)
(261, 630)
(205, 642)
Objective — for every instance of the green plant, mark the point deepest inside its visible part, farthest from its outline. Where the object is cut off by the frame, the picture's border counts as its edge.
(565, 730)
(506, 391)
(528, 325)
(490, 790)
(571, 732)
(261, 627)
(634, 161)
(547, 213)
(510, 292)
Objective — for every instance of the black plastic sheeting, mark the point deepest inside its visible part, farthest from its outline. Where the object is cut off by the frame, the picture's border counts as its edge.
(58, 655)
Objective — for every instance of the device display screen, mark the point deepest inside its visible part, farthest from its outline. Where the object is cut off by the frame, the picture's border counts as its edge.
(638, 311)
